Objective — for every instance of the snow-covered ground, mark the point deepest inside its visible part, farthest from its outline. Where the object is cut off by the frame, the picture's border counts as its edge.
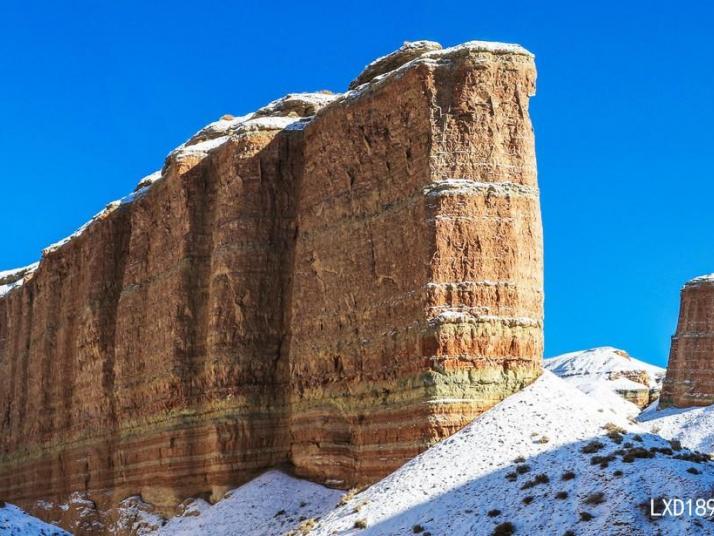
(694, 427)
(603, 391)
(451, 488)
(601, 362)
(272, 504)
(16, 522)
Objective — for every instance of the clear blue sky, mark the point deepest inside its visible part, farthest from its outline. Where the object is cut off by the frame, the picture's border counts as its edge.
(94, 94)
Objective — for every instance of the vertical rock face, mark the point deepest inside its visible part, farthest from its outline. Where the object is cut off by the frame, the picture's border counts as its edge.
(334, 282)
(690, 372)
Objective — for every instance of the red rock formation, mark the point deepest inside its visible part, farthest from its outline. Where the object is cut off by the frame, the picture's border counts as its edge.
(336, 292)
(690, 372)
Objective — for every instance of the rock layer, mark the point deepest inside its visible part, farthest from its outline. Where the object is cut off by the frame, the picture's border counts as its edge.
(334, 282)
(690, 372)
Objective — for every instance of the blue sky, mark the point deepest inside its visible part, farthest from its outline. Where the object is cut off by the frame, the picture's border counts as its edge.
(94, 94)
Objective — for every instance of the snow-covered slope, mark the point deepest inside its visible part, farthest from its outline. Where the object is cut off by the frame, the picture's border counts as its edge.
(451, 488)
(272, 504)
(16, 522)
(599, 370)
(694, 427)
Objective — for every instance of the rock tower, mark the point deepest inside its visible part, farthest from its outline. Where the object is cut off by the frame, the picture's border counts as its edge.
(690, 372)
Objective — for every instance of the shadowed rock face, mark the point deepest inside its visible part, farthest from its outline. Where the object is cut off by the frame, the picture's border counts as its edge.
(690, 372)
(335, 293)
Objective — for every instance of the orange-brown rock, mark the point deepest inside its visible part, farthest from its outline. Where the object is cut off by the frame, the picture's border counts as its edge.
(334, 282)
(690, 372)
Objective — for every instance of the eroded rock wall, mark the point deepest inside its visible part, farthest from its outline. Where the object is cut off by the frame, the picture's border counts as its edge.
(335, 293)
(418, 273)
(142, 357)
(690, 371)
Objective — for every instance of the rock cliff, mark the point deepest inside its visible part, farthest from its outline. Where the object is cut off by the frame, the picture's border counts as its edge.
(690, 372)
(333, 282)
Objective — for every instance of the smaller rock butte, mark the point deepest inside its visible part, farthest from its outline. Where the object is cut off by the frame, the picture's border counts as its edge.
(690, 371)
(334, 282)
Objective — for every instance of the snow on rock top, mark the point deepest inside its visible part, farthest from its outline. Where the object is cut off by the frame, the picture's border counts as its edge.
(15, 522)
(297, 105)
(272, 504)
(476, 480)
(15, 278)
(701, 280)
(144, 185)
(290, 112)
(605, 362)
(419, 51)
(407, 52)
(276, 115)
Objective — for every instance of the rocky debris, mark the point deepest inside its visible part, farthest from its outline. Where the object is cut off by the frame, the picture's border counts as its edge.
(250, 305)
(409, 51)
(690, 371)
(598, 370)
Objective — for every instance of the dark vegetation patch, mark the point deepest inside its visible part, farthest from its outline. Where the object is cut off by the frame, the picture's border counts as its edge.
(568, 475)
(504, 529)
(595, 498)
(493, 513)
(586, 516)
(602, 461)
(523, 469)
(696, 457)
(360, 524)
(537, 480)
(561, 495)
(630, 455)
(592, 447)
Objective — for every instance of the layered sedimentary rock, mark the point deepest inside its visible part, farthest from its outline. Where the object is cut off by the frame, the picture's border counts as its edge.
(333, 282)
(690, 372)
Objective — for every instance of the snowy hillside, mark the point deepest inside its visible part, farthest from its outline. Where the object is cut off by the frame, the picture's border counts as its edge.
(539, 463)
(605, 370)
(272, 504)
(15, 522)
(546, 461)
(694, 427)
